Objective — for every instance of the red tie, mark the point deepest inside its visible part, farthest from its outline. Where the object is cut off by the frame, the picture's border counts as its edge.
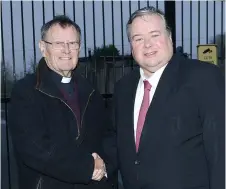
(143, 111)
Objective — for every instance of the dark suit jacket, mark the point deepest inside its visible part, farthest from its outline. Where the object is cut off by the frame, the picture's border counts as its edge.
(182, 142)
(44, 133)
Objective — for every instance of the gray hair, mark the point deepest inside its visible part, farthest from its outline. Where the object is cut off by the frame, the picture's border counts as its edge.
(63, 21)
(146, 11)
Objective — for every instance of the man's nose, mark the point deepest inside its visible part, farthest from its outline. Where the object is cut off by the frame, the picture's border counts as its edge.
(148, 42)
(66, 48)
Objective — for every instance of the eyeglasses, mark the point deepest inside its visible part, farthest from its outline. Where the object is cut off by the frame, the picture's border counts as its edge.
(61, 45)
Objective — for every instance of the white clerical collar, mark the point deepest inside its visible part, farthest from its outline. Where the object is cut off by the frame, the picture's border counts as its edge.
(65, 79)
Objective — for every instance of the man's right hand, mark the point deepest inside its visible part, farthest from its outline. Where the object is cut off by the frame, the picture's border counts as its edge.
(99, 167)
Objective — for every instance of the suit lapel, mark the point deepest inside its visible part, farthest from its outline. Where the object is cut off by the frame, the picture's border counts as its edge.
(130, 100)
(165, 88)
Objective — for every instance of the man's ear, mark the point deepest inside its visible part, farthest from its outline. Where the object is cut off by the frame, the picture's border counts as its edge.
(42, 48)
(170, 36)
(131, 49)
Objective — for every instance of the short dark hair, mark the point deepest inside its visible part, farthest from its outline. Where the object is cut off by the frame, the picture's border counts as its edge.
(63, 21)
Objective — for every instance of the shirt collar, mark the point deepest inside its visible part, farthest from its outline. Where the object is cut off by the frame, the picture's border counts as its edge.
(61, 82)
(57, 78)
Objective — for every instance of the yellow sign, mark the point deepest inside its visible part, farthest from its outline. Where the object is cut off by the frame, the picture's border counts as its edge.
(207, 53)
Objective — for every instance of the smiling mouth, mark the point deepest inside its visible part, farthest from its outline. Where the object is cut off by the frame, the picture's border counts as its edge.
(150, 54)
(65, 58)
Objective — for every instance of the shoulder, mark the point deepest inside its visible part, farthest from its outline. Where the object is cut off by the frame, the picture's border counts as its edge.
(129, 78)
(87, 86)
(24, 86)
(196, 69)
(197, 65)
(201, 74)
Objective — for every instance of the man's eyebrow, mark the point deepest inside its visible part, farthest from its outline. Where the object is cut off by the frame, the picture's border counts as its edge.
(155, 31)
(136, 35)
(151, 32)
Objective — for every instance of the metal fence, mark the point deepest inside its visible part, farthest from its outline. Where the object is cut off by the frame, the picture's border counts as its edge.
(102, 23)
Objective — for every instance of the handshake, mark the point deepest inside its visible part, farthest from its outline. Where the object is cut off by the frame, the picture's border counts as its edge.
(99, 168)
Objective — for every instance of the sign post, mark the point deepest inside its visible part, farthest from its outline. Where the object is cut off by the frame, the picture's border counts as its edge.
(207, 53)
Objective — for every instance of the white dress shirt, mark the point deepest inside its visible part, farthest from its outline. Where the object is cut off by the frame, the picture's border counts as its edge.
(153, 80)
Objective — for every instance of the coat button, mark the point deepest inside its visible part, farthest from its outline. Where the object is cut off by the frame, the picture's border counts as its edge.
(137, 162)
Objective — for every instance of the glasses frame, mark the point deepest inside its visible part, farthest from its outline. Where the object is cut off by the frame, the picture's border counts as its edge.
(52, 43)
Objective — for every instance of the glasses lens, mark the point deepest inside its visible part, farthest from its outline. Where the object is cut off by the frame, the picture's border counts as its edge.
(73, 45)
(58, 45)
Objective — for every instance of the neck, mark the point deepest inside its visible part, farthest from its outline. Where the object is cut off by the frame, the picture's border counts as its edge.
(149, 71)
(65, 73)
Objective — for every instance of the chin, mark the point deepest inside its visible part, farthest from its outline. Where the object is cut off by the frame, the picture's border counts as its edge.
(151, 64)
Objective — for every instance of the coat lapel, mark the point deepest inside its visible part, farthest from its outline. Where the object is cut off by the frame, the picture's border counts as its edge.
(166, 87)
(130, 100)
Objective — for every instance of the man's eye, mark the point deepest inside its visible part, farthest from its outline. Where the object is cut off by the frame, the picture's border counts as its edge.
(155, 35)
(59, 43)
(138, 39)
(72, 43)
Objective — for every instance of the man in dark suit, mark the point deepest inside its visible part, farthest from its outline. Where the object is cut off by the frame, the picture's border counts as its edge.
(57, 119)
(169, 114)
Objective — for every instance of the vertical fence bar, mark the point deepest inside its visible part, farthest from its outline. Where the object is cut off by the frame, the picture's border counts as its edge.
(123, 67)
(84, 22)
(138, 4)
(5, 101)
(171, 18)
(114, 74)
(157, 4)
(33, 31)
(86, 71)
(53, 6)
(105, 76)
(94, 44)
(64, 8)
(13, 50)
(214, 22)
(74, 10)
(191, 29)
(103, 22)
(122, 37)
(22, 30)
(147, 3)
(207, 13)
(43, 12)
(182, 24)
(130, 11)
(94, 38)
(198, 22)
(94, 28)
(113, 37)
(112, 17)
(222, 33)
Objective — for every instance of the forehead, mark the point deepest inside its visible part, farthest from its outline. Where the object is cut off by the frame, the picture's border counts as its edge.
(147, 23)
(56, 32)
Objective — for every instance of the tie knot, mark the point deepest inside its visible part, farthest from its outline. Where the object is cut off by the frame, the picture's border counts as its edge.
(147, 85)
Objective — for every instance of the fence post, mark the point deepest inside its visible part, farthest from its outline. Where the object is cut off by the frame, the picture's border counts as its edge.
(171, 20)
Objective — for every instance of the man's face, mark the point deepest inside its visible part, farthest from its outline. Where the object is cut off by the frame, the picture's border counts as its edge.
(151, 44)
(61, 60)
